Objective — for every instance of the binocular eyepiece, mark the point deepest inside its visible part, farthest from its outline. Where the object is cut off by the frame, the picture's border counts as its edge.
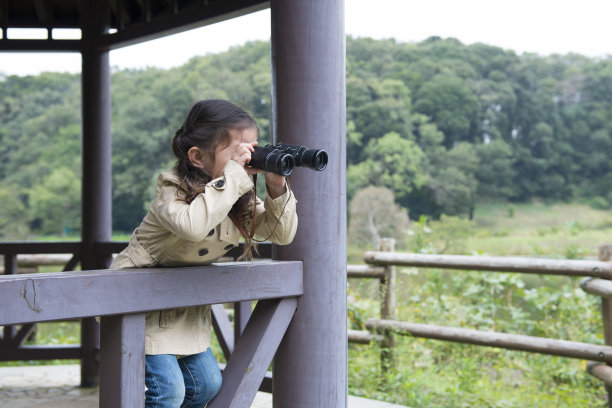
(282, 158)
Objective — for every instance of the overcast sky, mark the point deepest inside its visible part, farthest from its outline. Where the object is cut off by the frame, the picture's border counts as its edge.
(539, 26)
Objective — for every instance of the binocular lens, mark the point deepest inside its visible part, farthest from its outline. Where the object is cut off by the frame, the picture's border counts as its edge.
(285, 165)
(314, 159)
(272, 161)
(320, 160)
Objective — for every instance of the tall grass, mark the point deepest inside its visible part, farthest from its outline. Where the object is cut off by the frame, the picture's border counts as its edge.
(430, 373)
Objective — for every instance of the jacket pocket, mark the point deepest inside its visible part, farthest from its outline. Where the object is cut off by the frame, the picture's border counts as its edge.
(167, 318)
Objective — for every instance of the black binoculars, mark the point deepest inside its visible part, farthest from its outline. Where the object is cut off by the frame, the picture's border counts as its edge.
(282, 158)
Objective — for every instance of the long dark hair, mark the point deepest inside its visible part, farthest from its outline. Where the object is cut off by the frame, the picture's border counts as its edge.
(207, 127)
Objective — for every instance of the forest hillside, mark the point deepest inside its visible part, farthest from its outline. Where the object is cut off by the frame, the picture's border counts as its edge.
(443, 125)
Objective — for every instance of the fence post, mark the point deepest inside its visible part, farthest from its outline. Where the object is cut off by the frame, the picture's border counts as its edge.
(10, 268)
(605, 254)
(387, 305)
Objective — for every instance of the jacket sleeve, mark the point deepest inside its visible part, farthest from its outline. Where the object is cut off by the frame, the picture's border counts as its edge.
(277, 218)
(194, 221)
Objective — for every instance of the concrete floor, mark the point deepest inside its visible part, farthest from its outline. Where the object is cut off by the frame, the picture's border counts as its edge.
(56, 386)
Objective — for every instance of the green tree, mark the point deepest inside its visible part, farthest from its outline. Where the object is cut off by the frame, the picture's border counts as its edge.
(453, 184)
(495, 173)
(376, 107)
(55, 203)
(393, 162)
(450, 103)
(13, 219)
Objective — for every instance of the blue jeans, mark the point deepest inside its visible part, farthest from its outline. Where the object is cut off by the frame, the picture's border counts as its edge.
(188, 382)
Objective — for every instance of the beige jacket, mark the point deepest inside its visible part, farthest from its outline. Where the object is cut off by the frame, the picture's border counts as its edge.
(174, 233)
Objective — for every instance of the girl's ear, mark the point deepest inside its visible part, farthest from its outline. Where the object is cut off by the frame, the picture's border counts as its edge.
(196, 157)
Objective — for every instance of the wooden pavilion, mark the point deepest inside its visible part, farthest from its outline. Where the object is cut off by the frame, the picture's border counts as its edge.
(302, 292)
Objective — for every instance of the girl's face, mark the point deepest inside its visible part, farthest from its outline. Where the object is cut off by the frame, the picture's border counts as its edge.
(224, 153)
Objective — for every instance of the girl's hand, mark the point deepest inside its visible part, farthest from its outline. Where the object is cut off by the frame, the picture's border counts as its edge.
(277, 185)
(242, 153)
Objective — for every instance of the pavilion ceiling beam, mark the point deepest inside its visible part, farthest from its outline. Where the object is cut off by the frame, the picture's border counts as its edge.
(40, 45)
(3, 17)
(44, 12)
(119, 10)
(146, 12)
(175, 6)
(186, 19)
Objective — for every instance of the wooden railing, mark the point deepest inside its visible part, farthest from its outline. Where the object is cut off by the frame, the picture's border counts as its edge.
(597, 281)
(28, 257)
(121, 298)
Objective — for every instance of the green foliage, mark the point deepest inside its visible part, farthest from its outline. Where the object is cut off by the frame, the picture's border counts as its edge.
(55, 203)
(391, 161)
(12, 223)
(442, 124)
(448, 102)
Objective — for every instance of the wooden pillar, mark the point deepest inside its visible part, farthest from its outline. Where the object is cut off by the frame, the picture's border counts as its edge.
(122, 361)
(96, 157)
(309, 92)
(10, 268)
(605, 254)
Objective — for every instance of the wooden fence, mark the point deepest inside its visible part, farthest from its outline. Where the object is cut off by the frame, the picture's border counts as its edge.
(597, 281)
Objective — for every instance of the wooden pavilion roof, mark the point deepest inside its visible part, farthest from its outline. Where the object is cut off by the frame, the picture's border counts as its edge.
(129, 21)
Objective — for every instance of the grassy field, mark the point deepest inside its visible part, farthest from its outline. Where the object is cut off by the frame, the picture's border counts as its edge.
(559, 230)
(429, 373)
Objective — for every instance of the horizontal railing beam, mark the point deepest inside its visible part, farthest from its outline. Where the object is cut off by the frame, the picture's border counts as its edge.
(364, 271)
(58, 352)
(363, 337)
(40, 247)
(601, 371)
(41, 297)
(540, 266)
(531, 344)
(35, 260)
(599, 287)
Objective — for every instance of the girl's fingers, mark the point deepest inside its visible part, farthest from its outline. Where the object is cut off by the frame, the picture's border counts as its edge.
(252, 170)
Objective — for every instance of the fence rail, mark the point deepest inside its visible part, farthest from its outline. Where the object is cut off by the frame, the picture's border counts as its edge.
(541, 266)
(532, 344)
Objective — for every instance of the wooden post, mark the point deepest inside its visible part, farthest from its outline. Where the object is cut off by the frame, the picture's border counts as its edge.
(242, 313)
(96, 158)
(247, 366)
(122, 361)
(605, 255)
(10, 268)
(387, 306)
(309, 106)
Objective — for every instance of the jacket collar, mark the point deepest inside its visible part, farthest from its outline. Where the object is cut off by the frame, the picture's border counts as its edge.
(170, 176)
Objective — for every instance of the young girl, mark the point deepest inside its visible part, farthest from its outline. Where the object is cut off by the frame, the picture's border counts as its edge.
(201, 207)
